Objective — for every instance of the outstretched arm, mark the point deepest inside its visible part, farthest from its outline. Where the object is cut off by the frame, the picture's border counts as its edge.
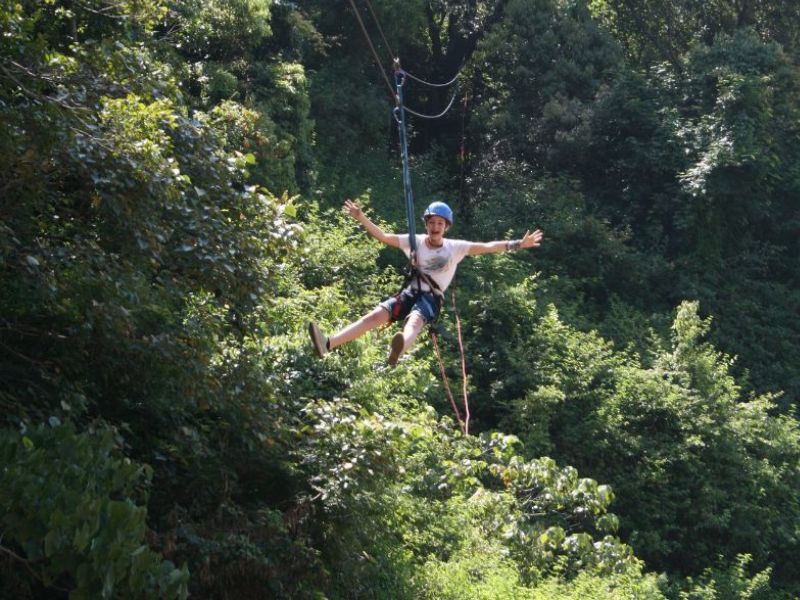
(529, 240)
(354, 210)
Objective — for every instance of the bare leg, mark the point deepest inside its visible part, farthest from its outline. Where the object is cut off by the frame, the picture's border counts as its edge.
(412, 329)
(378, 316)
(403, 340)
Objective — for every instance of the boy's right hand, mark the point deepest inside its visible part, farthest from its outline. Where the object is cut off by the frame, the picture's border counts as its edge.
(353, 209)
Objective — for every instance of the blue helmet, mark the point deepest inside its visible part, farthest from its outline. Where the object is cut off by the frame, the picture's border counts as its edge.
(439, 209)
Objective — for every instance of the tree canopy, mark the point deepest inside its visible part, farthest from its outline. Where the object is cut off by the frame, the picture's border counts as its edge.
(171, 175)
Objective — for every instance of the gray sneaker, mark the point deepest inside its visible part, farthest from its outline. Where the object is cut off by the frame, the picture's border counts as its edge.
(397, 347)
(320, 342)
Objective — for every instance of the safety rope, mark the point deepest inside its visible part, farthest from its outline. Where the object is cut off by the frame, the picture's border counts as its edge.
(399, 113)
(441, 114)
(463, 423)
(434, 339)
(463, 364)
(435, 85)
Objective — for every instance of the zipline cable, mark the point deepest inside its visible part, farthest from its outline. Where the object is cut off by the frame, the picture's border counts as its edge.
(374, 52)
(396, 60)
(380, 29)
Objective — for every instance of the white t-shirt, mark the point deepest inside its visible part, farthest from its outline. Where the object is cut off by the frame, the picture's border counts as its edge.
(438, 263)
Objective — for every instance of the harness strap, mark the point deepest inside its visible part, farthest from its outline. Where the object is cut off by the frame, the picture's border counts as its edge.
(416, 274)
(420, 277)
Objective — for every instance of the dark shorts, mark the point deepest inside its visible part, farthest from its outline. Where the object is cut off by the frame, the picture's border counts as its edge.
(403, 304)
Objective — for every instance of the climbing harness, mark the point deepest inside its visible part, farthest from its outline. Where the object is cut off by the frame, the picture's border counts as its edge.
(415, 274)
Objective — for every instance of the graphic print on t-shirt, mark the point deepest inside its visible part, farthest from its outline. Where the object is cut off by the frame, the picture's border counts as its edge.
(435, 263)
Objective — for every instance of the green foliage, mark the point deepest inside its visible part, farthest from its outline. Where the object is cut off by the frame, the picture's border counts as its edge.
(156, 289)
(692, 464)
(732, 582)
(225, 65)
(659, 31)
(74, 515)
(540, 69)
(676, 183)
(478, 571)
(445, 499)
(216, 30)
(591, 587)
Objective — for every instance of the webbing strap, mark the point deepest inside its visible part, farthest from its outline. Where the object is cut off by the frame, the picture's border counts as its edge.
(420, 276)
(400, 116)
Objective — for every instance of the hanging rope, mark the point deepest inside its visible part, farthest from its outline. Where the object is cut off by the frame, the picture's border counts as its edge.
(399, 112)
(463, 365)
(441, 114)
(434, 339)
(435, 85)
(375, 55)
(463, 423)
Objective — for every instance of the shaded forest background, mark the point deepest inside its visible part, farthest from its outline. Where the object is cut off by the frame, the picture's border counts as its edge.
(171, 176)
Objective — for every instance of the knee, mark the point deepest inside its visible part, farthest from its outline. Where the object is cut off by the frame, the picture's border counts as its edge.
(376, 317)
(415, 321)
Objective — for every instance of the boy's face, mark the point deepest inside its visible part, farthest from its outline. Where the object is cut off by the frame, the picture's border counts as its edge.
(436, 228)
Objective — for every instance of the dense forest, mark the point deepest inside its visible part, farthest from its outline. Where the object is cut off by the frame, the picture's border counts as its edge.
(171, 180)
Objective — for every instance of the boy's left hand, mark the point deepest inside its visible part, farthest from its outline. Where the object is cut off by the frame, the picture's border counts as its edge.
(532, 240)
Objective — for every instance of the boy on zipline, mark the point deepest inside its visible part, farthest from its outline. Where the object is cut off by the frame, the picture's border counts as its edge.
(435, 265)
